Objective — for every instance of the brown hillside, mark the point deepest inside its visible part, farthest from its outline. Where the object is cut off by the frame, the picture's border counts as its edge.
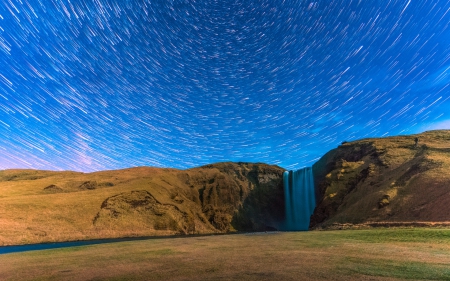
(385, 180)
(45, 206)
(372, 181)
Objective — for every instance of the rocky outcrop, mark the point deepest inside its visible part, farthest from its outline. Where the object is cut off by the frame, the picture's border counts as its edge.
(140, 207)
(53, 189)
(88, 185)
(387, 179)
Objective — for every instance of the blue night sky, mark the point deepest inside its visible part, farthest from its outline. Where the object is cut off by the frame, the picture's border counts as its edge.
(95, 84)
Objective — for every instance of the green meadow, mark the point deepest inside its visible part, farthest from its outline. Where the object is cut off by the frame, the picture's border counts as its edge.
(373, 254)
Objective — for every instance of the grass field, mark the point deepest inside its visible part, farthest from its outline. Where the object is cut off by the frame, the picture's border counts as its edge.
(375, 254)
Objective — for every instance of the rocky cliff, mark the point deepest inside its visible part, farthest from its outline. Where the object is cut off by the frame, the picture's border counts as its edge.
(394, 179)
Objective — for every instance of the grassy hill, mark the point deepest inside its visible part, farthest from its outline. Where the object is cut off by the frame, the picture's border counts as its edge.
(381, 181)
(385, 180)
(45, 206)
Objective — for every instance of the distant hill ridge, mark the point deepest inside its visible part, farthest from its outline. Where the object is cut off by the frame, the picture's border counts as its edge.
(379, 181)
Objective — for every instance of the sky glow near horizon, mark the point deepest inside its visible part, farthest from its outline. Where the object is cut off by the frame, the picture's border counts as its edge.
(94, 85)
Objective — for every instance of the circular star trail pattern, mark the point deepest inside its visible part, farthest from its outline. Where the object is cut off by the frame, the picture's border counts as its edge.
(93, 85)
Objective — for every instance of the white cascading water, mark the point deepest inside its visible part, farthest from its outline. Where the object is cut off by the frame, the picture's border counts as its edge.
(300, 198)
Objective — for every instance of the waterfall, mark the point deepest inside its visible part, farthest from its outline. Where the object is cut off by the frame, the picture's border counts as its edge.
(300, 198)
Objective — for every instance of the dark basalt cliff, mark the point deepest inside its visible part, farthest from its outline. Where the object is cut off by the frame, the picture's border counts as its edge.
(390, 179)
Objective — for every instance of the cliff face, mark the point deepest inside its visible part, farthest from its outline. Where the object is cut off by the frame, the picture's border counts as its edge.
(385, 180)
(242, 196)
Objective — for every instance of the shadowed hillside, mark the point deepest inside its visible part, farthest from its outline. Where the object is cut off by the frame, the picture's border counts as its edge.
(385, 180)
(44, 206)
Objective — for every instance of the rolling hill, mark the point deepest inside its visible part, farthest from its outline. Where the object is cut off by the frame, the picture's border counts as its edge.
(45, 206)
(378, 181)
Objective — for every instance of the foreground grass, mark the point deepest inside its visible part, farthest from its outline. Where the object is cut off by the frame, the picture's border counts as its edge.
(378, 254)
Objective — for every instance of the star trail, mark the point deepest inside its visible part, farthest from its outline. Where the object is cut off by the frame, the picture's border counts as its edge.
(94, 85)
